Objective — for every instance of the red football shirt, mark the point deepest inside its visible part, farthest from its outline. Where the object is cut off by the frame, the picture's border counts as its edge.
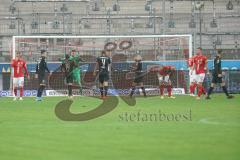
(165, 70)
(18, 66)
(200, 62)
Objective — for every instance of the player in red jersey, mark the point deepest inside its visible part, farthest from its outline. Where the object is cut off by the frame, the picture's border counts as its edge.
(164, 74)
(19, 65)
(192, 74)
(200, 65)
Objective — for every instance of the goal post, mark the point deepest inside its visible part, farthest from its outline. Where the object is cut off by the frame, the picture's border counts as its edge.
(155, 50)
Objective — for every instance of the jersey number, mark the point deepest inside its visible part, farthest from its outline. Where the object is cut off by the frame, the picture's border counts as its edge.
(103, 63)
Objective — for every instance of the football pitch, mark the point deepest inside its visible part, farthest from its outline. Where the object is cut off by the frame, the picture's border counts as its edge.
(154, 129)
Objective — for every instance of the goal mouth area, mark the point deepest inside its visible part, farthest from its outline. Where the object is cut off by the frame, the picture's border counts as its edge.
(162, 49)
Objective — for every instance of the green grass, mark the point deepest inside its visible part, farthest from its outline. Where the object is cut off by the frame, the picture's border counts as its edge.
(31, 130)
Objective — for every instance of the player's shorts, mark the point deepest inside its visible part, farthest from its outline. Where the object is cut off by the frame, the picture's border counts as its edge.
(77, 77)
(19, 81)
(103, 76)
(138, 77)
(193, 77)
(216, 79)
(69, 79)
(200, 77)
(163, 79)
(42, 80)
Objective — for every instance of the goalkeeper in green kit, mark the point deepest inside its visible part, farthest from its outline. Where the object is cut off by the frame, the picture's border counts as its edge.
(71, 67)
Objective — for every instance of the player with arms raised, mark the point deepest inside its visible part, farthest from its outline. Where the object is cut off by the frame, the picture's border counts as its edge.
(103, 64)
(192, 74)
(75, 69)
(201, 66)
(71, 67)
(19, 65)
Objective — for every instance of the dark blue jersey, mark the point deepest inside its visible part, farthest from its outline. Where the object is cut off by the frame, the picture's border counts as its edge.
(217, 66)
(139, 66)
(41, 66)
(103, 63)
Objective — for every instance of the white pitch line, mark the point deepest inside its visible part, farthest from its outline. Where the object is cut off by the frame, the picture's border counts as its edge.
(207, 121)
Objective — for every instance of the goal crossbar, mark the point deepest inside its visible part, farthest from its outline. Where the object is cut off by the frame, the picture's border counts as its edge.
(104, 36)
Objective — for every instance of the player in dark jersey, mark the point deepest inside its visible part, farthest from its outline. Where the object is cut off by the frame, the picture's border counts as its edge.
(71, 69)
(103, 64)
(67, 68)
(217, 76)
(41, 67)
(137, 68)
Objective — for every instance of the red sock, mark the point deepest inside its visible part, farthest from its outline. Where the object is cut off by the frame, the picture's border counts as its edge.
(191, 89)
(21, 91)
(169, 89)
(161, 90)
(194, 87)
(200, 90)
(15, 91)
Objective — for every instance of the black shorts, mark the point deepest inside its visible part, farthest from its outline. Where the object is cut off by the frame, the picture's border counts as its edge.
(42, 80)
(216, 79)
(138, 78)
(103, 76)
(69, 79)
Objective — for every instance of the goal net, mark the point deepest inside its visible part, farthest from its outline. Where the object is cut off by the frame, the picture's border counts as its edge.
(155, 50)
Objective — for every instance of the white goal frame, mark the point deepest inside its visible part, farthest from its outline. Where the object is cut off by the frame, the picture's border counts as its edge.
(189, 36)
